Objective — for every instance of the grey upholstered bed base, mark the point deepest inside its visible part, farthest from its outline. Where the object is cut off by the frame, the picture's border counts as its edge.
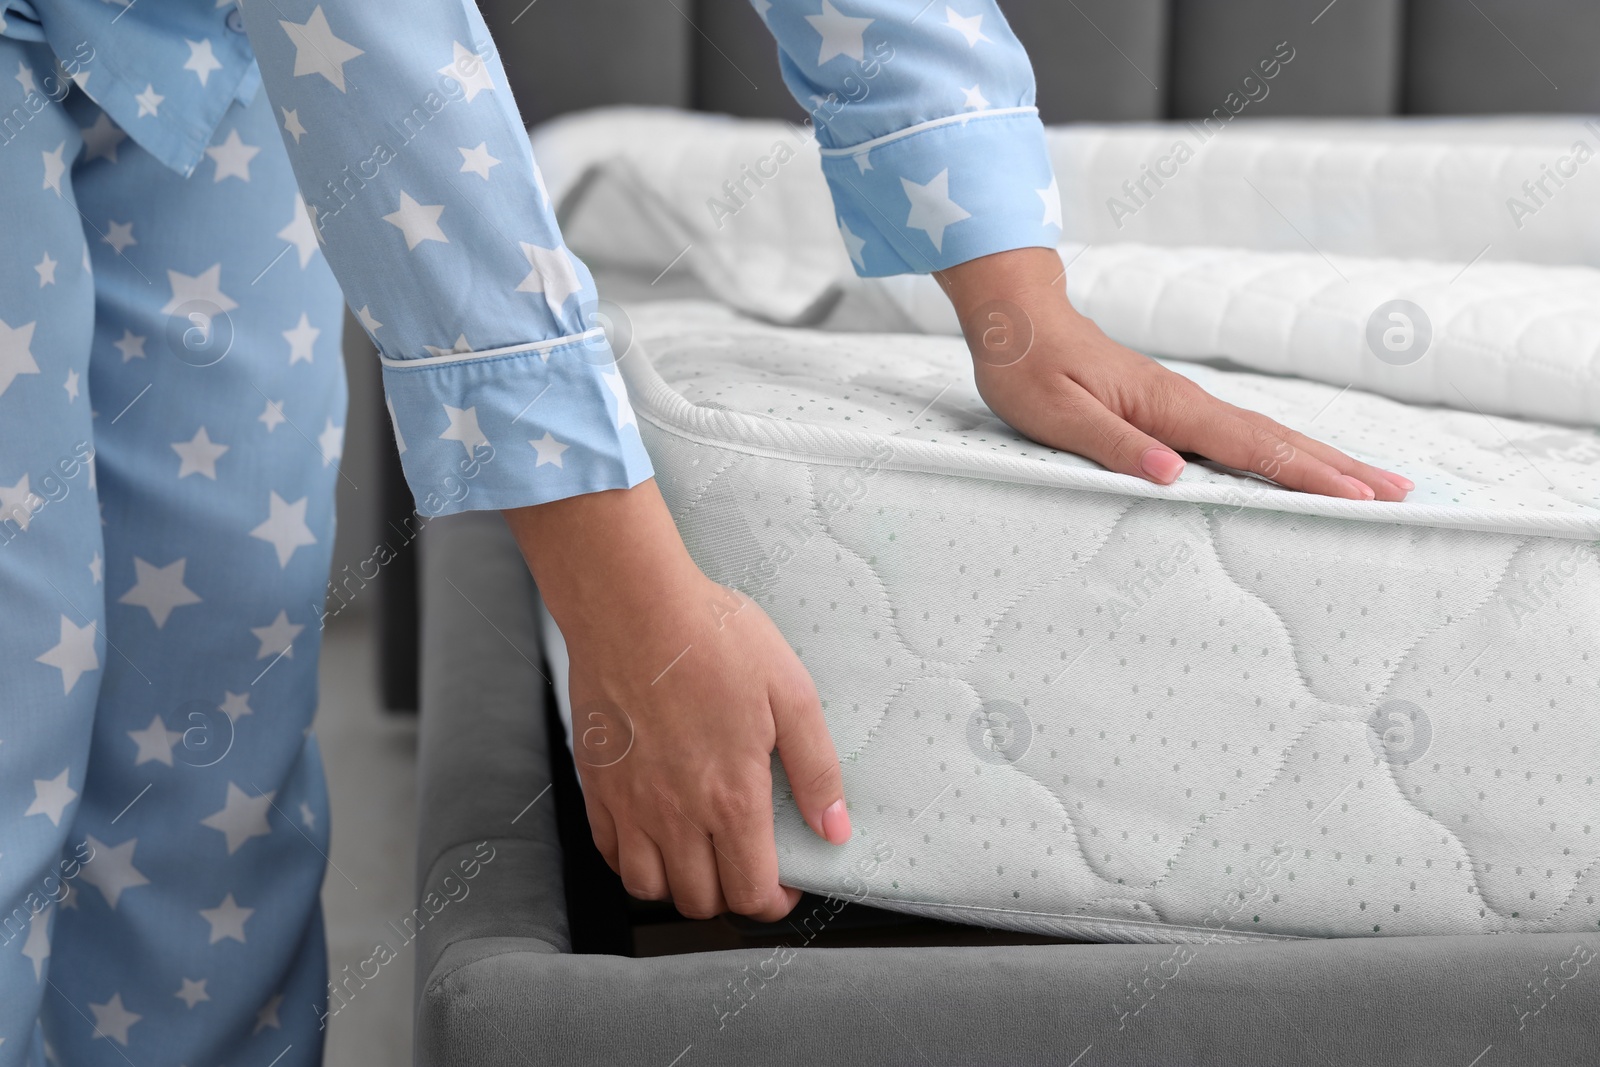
(499, 984)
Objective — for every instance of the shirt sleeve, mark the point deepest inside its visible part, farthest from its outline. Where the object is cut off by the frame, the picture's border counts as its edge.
(931, 143)
(422, 191)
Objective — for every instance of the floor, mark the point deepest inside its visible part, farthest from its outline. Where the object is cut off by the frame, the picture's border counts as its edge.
(371, 765)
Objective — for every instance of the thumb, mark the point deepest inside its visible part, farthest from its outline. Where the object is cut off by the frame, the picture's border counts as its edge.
(810, 762)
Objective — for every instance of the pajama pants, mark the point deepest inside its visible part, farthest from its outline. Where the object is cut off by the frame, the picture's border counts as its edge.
(163, 818)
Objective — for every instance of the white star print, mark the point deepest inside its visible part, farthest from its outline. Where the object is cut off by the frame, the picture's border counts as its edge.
(235, 705)
(932, 210)
(241, 818)
(54, 168)
(18, 503)
(25, 79)
(619, 392)
(853, 244)
(193, 992)
(863, 161)
(149, 100)
(418, 222)
(469, 69)
(317, 50)
(16, 357)
(460, 346)
(277, 638)
(232, 157)
(841, 34)
(400, 441)
(368, 320)
(975, 98)
(198, 455)
(97, 569)
(155, 742)
(538, 180)
(1051, 195)
(201, 59)
(464, 428)
(285, 527)
(37, 947)
(159, 589)
(331, 443)
(291, 123)
(204, 287)
(100, 141)
(46, 270)
(51, 797)
(272, 415)
(112, 871)
(71, 385)
(119, 235)
(131, 346)
(300, 339)
(112, 1020)
(228, 918)
(308, 816)
(300, 232)
(549, 450)
(970, 28)
(552, 274)
(762, 7)
(73, 655)
(477, 160)
(268, 1015)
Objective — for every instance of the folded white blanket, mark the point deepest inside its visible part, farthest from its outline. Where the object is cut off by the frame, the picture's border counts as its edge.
(1279, 246)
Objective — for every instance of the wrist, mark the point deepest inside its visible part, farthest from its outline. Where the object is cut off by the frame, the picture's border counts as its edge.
(605, 556)
(1019, 275)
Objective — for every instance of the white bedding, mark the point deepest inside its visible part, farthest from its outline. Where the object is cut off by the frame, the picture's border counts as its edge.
(1070, 701)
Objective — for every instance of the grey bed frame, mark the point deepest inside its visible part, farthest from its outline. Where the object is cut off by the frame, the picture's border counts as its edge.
(532, 965)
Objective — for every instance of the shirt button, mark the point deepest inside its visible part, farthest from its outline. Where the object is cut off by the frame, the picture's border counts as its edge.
(235, 21)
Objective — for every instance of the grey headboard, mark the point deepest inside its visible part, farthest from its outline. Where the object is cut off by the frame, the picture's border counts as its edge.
(1096, 60)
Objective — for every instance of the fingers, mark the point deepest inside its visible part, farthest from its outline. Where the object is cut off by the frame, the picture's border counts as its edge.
(643, 873)
(1386, 485)
(747, 856)
(603, 828)
(691, 866)
(1080, 423)
(810, 761)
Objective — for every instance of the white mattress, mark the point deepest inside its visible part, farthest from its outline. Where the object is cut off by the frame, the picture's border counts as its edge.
(1073, 702)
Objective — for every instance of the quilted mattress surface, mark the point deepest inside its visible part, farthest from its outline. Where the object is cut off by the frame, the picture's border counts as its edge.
(1069, 702)
(1072, 702)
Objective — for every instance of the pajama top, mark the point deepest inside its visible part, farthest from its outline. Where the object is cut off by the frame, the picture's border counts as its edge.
(419, 187)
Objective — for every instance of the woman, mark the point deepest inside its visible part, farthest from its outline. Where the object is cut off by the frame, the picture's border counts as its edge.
(166, 310)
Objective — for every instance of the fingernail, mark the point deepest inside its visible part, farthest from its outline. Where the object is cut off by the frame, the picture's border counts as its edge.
(1161, 465)
(1404, 483)
(1361, 487)
(836, 823)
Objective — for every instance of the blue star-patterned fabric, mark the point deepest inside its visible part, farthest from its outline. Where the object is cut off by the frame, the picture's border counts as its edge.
(420, 187)
(930, 139)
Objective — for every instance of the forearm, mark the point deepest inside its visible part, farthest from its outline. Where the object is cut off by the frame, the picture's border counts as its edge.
(599, 554)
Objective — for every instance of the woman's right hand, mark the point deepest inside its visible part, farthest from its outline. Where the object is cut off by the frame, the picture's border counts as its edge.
(681, 689)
